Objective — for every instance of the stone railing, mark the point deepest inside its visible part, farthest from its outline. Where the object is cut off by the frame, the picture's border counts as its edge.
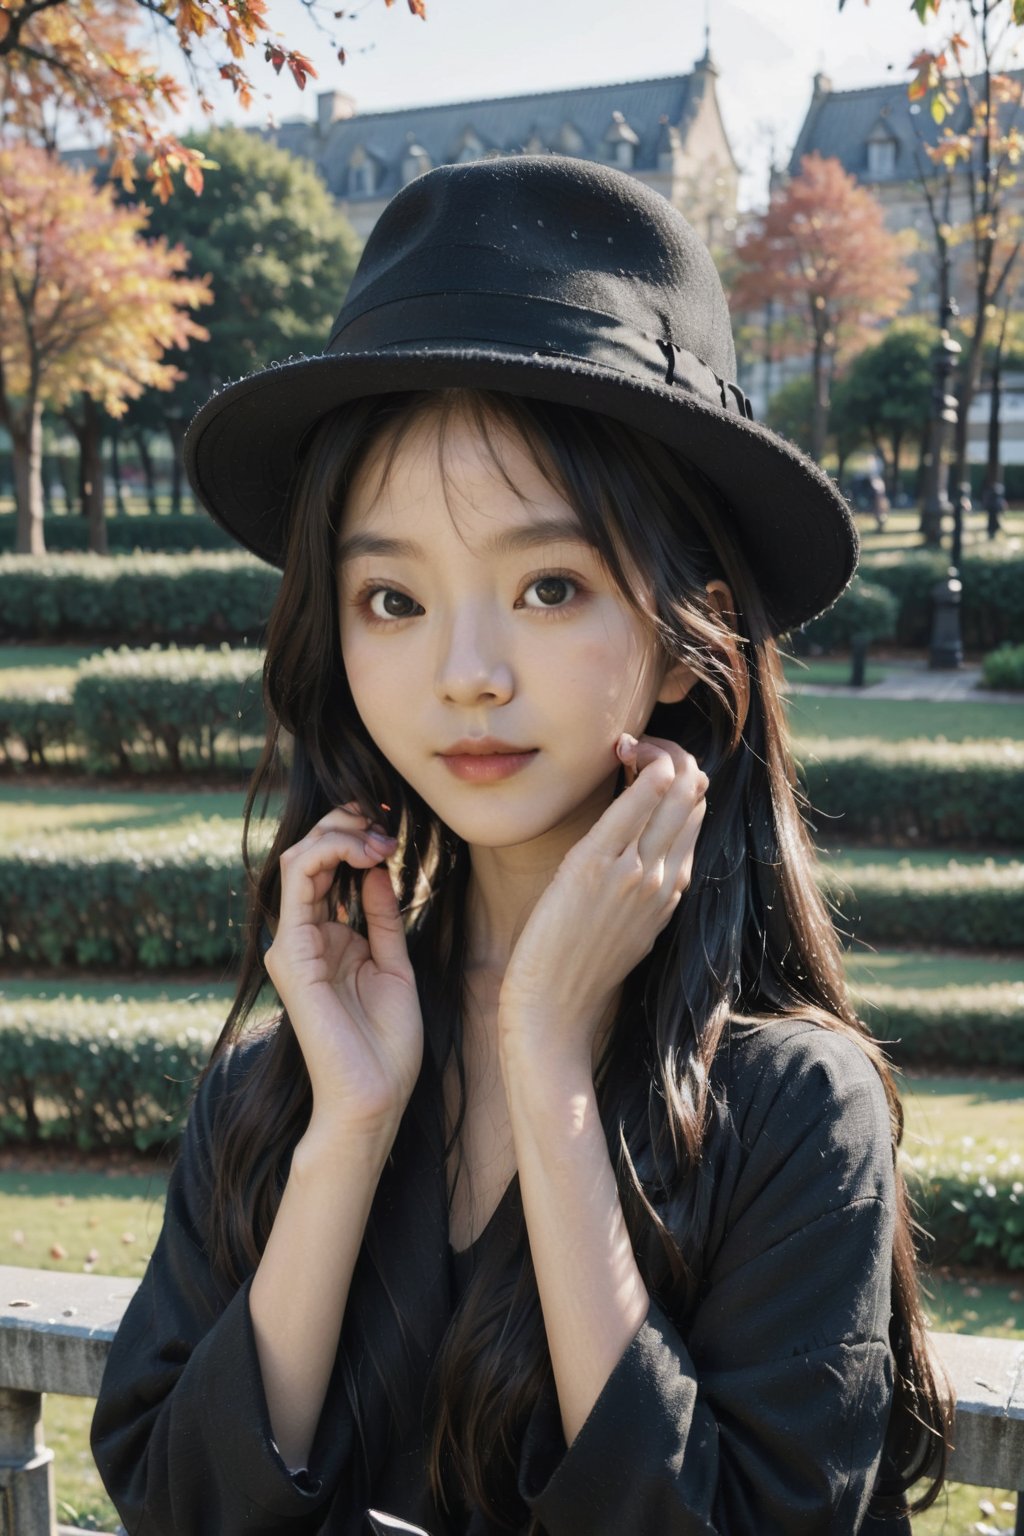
(55, 1330)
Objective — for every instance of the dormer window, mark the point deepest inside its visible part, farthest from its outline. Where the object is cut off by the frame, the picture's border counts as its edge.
(569, 140)
(621, 143)
(470, 147)
(881, 157)
(362, 176)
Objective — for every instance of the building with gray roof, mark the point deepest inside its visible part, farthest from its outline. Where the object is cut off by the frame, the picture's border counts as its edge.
(668, 132)
(880, 137)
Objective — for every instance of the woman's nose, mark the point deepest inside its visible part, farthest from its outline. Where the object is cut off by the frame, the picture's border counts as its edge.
(474, 664)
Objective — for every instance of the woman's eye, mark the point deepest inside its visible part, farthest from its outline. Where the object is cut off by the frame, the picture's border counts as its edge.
(386, 603)
(551, 591)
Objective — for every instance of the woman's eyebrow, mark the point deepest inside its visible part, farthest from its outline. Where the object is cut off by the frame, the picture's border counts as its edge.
(506, 542)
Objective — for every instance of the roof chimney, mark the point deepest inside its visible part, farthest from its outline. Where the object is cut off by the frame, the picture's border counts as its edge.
(331, 106)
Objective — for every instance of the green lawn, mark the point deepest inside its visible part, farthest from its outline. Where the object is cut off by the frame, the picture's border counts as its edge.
(842, 717)
(984, 1114)
(924, 968)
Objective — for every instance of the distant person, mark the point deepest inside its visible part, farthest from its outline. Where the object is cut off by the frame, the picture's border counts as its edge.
(561, 1195)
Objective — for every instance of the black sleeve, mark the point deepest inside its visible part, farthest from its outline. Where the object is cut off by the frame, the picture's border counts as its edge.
(181, 1433)
(768, 1412)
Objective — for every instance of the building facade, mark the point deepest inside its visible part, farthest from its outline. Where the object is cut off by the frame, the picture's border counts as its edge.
(667, 132)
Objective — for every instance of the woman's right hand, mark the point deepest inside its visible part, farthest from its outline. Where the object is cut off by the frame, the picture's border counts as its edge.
(352, 1001)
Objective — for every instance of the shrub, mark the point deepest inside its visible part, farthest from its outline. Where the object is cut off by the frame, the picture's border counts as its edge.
(923, 792)
(168, 531)
(167, 706)
(971, 1205)
(960, 906)
(1004, 668)
(866, 611)
(965, 1026)
(991, 608)
(40, 719)
(141, 598)
(100, 1074)
(156, 899)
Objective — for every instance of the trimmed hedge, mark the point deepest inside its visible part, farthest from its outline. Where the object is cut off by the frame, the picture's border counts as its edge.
(134, 710)
(112, 1074)
(126, 901)
(1004, 668)
(925, 792)
(972, 1206)
(40, 719)
(866, 611)
(140, 598)
(214, 596)
(960, 906)
(100, 1074)
(992, 601)
(140, 900)
(168, 704)
(967, 1026)
(168, 532)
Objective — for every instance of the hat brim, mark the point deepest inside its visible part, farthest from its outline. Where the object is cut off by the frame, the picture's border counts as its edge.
(795, 527)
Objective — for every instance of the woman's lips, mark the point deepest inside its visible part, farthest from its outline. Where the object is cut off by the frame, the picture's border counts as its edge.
(487, 768)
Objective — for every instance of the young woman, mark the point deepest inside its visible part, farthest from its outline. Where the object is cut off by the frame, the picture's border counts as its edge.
(560, 1195)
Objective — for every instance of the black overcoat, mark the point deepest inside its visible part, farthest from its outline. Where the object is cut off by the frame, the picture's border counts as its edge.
(761, 1413)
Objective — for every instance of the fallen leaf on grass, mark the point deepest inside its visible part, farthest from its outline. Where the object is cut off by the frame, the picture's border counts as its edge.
(18, 1237)
(127, 1237)
(57, 1252)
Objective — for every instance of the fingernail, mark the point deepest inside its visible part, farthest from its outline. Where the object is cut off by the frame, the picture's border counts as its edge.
(382, 840)
(626, 744)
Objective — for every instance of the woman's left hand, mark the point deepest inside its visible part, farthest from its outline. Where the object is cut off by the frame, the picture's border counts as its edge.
(611, 896)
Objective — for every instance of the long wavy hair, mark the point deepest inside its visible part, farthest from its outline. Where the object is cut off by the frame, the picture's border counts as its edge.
(752, 939)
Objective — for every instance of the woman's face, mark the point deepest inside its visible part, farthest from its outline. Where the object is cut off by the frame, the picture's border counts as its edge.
(496, 620)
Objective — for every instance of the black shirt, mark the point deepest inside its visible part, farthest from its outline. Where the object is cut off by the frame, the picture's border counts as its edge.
(763, 1413)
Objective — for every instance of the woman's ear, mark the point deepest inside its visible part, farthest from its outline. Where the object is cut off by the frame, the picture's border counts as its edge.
(679, 678)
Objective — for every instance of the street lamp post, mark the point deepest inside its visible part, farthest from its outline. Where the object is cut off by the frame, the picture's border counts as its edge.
(946, 651)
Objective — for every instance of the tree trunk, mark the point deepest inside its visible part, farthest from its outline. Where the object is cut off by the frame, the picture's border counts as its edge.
(894, 483)
(176, 433)
(91, 443)
(146, 460)
(26, 429)
(115, 469)
(819, 405)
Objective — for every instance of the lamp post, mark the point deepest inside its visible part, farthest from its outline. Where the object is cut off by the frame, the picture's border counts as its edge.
(946, 651)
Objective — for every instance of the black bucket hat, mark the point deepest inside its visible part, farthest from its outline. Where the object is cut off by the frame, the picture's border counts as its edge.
(556, 278)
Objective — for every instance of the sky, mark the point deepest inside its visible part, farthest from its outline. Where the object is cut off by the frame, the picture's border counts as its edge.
(767, 52)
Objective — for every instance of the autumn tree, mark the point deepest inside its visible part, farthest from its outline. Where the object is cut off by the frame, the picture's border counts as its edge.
(88, 308)
(82, 60)
(885, 393)
(822, 253)
(280, 254)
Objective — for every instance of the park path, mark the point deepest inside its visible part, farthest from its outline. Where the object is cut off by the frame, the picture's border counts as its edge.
(914, 679)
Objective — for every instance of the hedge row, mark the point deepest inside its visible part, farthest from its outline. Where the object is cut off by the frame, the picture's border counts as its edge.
(968, 1026)
(972, 1208)
(153, 902)
(924, 792)
(992, 598)
(101, 1074)
(1004, 668)
(144, 901)
(132, 709)
(958, 906)
(170, 532)
(223, 596)
(140, 598)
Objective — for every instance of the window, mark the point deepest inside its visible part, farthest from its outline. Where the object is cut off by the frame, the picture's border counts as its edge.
(881, 157)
